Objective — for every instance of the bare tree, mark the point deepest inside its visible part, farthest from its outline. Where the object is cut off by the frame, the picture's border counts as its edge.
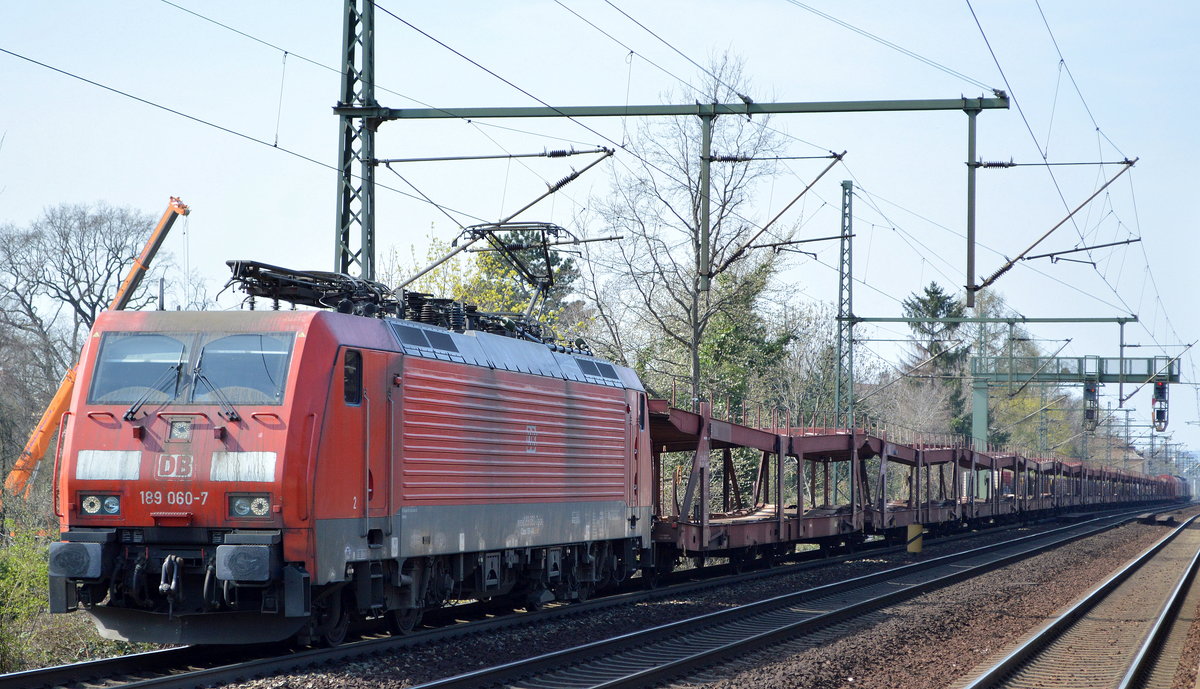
(651, 280)
(61, 271)
(56, 276)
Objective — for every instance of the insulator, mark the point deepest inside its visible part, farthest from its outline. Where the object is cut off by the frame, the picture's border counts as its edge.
(457, 317)
(996, 163)
(730, 159)
(414, 303)
(563, 182)
(560, 153)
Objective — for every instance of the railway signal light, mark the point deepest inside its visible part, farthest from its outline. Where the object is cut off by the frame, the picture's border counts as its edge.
(1159, 405)
(1160, 391)
(1091, 404)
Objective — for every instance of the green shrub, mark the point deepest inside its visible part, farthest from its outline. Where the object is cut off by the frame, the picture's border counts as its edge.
(30, 637)
(23, 597)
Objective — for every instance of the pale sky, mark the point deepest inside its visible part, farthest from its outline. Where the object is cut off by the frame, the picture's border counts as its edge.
(1135, 64)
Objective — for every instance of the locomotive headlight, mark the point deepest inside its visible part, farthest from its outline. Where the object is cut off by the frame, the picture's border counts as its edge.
(249, 506)
(100, 505)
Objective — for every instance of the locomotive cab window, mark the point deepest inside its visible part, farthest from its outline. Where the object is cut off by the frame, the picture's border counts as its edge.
(352, 377)
(132, 365)
(191, 368)
(247, 368)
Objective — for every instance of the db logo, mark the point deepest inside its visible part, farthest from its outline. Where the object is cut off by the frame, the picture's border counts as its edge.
(172, 467)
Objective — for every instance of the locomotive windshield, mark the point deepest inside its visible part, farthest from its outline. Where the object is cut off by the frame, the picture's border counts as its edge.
(242, 368)
(133, 365)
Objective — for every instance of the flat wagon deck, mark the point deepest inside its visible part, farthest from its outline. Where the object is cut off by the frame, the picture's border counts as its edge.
(833, 485)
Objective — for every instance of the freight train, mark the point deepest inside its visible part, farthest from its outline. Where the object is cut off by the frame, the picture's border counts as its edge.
(237, 477)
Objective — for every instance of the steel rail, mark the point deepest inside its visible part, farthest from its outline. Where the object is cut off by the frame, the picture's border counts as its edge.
(684, 633)
(59, 675)
(1034, 645)
(1149, 653)
(172, 659)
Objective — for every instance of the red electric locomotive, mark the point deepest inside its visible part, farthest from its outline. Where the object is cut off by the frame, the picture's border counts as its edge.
(257, 475)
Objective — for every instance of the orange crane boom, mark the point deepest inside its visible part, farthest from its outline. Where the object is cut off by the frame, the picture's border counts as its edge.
(18, 480)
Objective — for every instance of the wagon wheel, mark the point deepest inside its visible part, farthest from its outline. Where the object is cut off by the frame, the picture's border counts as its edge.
(533, 600)
(404, 620)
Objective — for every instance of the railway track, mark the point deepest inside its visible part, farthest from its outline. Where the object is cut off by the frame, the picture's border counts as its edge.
(1126, 632)
(202, 666)
(648, 657)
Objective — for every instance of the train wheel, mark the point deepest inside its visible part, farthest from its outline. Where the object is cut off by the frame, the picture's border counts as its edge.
(532, 601)
(651, 578)
(304, 637)
(583, 592)
(771, 555)
(334, 622)
(740, 559)
(405, 620)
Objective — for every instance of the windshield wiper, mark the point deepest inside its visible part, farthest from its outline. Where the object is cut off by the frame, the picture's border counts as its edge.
(223, 402)
(132, 411)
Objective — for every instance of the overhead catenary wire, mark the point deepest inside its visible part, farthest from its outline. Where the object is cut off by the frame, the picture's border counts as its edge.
(645, 162)
(642, 159)
(256, 39)
(1063, 62)
(1011, 262)
(1048, 163)
(1041, 151)
(697, 90)
(412, 186)
(335, 70)
(1048, 276)
(285, 53)
(903, 374)
(198, 120)
(893, 46)
(1039, 10)
(746, 99)
(491, 72)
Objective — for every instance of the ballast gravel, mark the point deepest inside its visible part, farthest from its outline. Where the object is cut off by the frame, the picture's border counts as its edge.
(930, 641)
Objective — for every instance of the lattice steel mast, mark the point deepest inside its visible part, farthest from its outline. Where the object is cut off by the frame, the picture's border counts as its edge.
(843, 394)
(354, 247)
